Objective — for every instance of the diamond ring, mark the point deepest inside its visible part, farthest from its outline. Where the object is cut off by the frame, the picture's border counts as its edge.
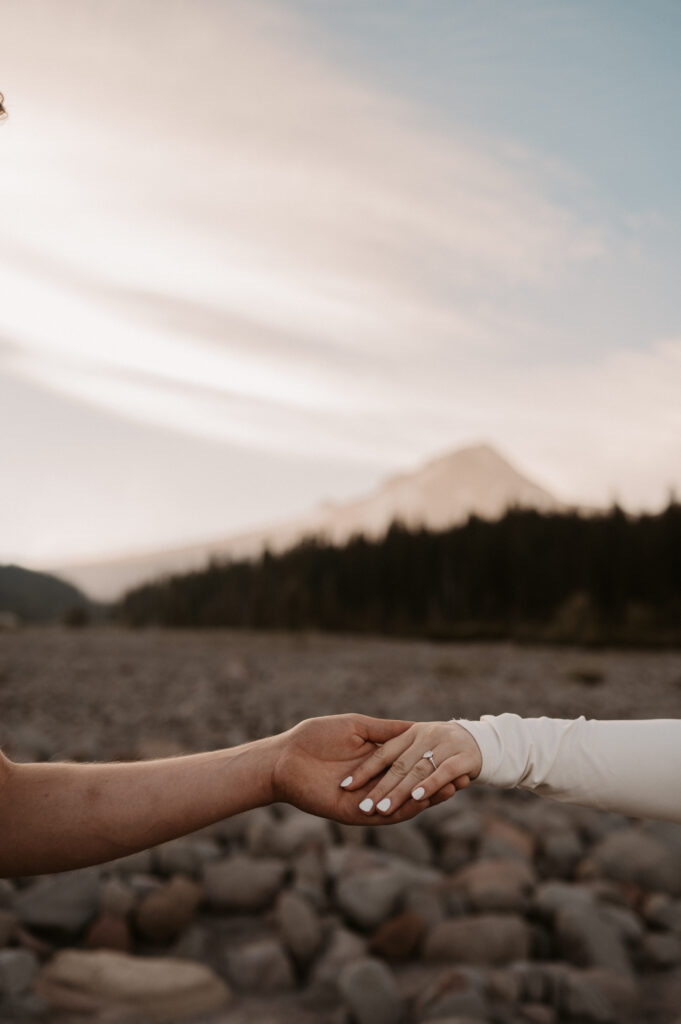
(429, 757)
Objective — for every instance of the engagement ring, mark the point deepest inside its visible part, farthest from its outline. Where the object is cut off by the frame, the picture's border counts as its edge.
(429, 757)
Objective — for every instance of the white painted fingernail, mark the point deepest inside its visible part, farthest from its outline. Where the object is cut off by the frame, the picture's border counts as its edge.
(419, 793)
(366, 805)
(346, 782)
(384, 804)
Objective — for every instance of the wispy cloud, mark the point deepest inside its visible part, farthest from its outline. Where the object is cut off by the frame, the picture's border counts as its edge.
(209, 227)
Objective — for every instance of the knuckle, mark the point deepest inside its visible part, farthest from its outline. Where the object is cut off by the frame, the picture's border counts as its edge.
(400, 767)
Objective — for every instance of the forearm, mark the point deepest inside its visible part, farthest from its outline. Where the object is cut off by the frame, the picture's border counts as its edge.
(631, 767)
(54, 817)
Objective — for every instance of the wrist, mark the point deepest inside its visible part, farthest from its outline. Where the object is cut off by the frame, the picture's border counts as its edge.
(268, 754)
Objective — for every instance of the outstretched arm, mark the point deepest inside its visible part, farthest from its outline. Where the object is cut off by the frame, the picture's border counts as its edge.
(54, 817)
(631, 767)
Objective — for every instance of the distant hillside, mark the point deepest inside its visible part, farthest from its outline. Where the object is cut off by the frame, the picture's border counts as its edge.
(442, 493)
(548, 577)
(37, 596)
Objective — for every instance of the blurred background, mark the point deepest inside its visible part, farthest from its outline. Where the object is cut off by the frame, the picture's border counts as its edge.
(340, 363)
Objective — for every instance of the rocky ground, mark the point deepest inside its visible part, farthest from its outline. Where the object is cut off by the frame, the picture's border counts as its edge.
(497, 907)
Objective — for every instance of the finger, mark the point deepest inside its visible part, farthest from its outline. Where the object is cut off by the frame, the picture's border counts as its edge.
(377, 762)
(408, 772)
(409, 765)
(380, 730)
(438, 798)
(454, 769)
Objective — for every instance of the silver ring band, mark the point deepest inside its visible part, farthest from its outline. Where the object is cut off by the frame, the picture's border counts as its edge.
(429, 757)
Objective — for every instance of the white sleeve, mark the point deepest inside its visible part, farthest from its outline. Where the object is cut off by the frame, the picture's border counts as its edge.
(632, 767)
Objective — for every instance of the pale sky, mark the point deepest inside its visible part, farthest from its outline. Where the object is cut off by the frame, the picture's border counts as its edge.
(258, 255)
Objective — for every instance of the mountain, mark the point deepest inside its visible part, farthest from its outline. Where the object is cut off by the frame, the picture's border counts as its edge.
(445, 491)
(37, 596)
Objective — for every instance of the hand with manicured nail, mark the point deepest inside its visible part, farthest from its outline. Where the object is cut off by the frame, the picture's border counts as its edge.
(317, 765)
(412, 768)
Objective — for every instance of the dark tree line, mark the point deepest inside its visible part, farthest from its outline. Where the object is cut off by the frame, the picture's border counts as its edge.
(610, 578)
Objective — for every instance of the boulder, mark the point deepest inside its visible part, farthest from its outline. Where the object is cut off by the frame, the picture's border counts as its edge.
(66, 902)
(299, 926)
(489, 939)
(633, 856)
(261, 966)
(243, 883)
(159, 989)
(167, 911)
(370, 993)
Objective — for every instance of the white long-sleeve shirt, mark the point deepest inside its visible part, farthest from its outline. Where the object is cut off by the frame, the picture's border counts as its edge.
(632, 767)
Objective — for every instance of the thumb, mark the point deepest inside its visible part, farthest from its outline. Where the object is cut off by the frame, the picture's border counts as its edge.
(380, 730)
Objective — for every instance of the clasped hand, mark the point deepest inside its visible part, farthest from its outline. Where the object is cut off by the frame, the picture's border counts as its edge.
(361, 770)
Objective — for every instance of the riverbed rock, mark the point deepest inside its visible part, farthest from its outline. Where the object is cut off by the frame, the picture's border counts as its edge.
(400, 937)
(479, 939)
(109, 931)
(8, 925)
(160, 989)
(18, 968)
(455, 995)
(367, 895)
(299, 926)
(261, 966)
(243, 883)
(495, 884)
(164, 913)
(370, 992)
(186, 856)
(588, 938)
(633, 856)
(66, 902)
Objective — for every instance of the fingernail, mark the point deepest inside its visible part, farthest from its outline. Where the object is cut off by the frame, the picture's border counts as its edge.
(384, 804)
(419, 793)
(346, 782)
(366, 805)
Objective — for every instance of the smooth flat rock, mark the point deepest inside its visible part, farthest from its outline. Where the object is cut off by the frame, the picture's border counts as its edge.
(162, 988)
